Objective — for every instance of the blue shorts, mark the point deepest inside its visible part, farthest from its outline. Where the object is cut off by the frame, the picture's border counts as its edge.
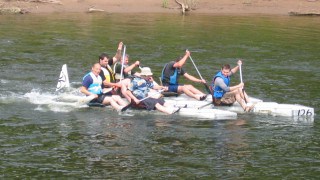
(173, 88)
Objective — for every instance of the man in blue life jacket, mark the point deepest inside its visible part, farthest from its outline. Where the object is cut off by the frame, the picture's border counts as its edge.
(140, 88)
(223, 93)
(92, 85)
(171, 73)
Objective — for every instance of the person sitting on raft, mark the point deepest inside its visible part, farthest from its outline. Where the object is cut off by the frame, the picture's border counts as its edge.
(140, 87)
(226, 95)
(128, 71)
(92, 85)
(171, 73)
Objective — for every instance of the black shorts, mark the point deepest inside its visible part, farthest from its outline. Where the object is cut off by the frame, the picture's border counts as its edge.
(150, 103)
(101, 98)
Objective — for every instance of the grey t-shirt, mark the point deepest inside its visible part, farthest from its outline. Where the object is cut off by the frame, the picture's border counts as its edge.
(219, 82)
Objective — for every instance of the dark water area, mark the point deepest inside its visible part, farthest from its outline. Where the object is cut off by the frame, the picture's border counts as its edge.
(41, 140)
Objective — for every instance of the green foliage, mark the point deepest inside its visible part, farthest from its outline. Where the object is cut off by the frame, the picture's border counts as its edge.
(165, 3)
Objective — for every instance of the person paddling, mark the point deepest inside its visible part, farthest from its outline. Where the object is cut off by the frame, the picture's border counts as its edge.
(106, 72)
(110, 82)
(141, 86)
(171, 73)
(128, 70)
(92, 85)
(224, 94)
(124, 74)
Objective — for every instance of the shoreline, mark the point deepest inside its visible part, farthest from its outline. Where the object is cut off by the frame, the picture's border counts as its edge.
(214, 7)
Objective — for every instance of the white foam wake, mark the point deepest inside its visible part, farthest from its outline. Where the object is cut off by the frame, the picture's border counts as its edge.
(57, 102)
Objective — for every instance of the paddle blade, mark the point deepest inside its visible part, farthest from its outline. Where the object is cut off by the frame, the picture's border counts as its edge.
(207, 88)
(126, 107)
(205, 105)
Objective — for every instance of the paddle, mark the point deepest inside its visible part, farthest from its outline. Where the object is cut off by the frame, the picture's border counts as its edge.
(123, 56)
(200, 107)
(205, 84)
(240, 70)
(132, 102)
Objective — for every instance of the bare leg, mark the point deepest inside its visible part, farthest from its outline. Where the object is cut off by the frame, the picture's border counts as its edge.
(189, 93)
(243, 95)
(237, 94)
(165, 104)
(240, 101)
(166, 110)
(246, 97)
(240, 92)
(194, 90)
(162, 108)
(125, 83)
(109, 100)
(119, 100)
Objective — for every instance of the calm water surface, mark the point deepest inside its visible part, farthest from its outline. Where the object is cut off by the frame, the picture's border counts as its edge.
(44, 140)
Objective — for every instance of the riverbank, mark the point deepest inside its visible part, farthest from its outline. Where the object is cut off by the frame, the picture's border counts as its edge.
(273, 7)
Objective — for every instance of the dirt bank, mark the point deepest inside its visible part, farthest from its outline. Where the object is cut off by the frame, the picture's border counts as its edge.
(281, 7)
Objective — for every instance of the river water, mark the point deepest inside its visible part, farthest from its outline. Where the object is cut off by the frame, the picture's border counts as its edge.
(42, 140)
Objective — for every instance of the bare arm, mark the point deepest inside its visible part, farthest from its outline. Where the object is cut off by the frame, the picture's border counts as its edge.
(192, 78)
(110, 84)
(235, 69)
(117, 56)
(155, 85)
(158, 87)
(85, 91)
(232, 88)
(129, 68)
(182, 61)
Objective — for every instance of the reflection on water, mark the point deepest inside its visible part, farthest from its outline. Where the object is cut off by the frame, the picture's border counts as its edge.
(41, 139)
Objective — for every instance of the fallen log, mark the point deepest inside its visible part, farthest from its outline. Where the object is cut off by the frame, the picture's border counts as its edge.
(184, 7)
(92, 10)
(294, 13)
(46, 1)
(13, 10)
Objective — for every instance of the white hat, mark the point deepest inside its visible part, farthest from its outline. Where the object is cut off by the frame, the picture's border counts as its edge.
(145, 71)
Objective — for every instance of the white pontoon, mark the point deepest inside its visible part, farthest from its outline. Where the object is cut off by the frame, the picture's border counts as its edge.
(260, 107)
(205, 109)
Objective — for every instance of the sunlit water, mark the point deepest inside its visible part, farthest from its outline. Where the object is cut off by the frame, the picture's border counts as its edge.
(41, 138)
